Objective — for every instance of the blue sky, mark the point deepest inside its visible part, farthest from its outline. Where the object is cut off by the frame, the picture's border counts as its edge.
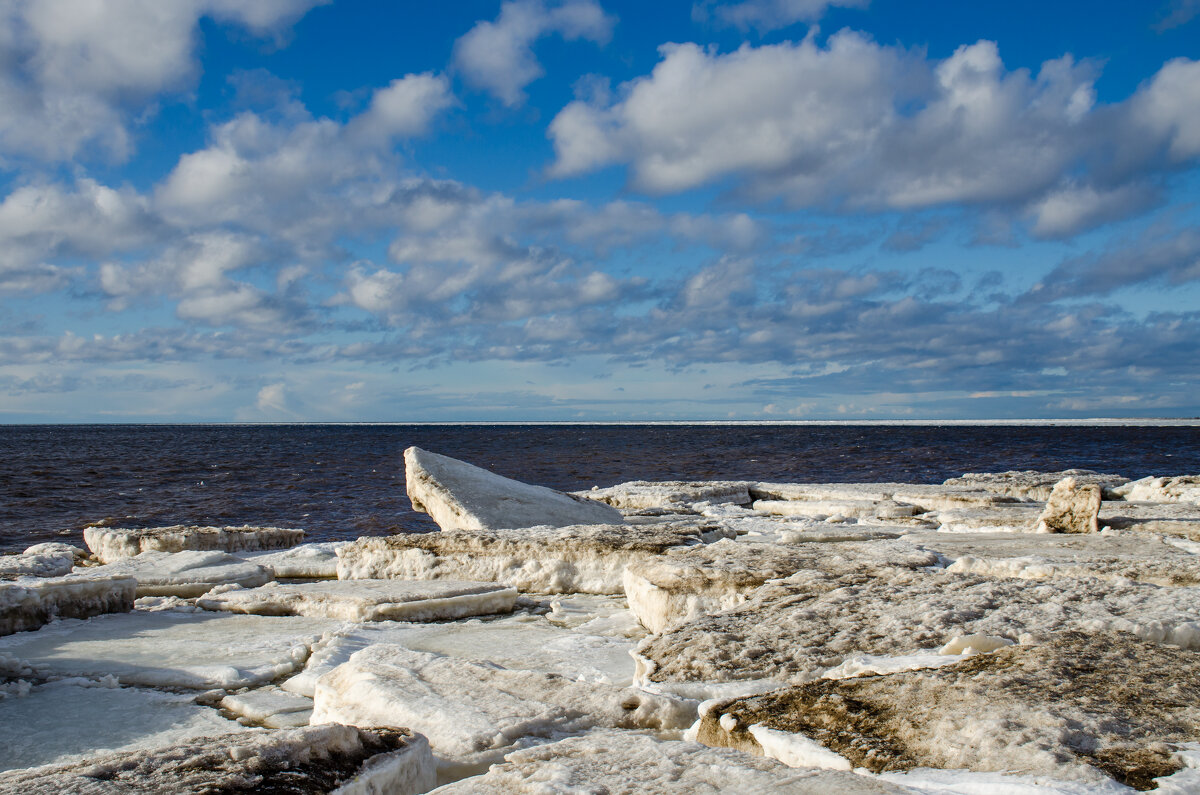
(287, 210)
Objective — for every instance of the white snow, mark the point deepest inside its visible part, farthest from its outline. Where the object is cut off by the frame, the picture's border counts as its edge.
(72, 718)
(974, 644)
(112, 543)
(466, 707)
(306, 561)
(795, 750)
(36, 564)
(368, 600)
(930, 781)
(458, 495)
(185, 574)
(197, 651)
(27, 603)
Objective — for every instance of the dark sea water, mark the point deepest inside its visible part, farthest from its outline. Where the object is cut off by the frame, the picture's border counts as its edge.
(344, 481)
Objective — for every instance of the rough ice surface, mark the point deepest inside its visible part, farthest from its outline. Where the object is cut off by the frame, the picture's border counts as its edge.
(794, 629)
(685, 583)
(36, 564)
(1071, 508)
(874, 664)
(923, 497)
(1033, 485)
(368, 600)
(461, 496)
(578, 559)
(1067, 708)
(112, 543)
(269, 706)
(626, 762)
(27, 603)
(1180, 519)
(57, 548)
(185, 574)
(73, 718)
(467, 708)
(847, 509)
(672, 494)
(1112, 555)
(1181, 488)
(335, 758)
(198, 651)
(306, 561)
(1019, 517)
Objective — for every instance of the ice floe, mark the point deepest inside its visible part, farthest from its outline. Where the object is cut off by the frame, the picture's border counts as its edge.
(1034, 485)
(368, 600)
(1066, 708)
(639, 495)
(469, 709)
(1181, 488)
(170, 648)
(27, 603)
(460, 496)
(305, 561)
(35, 564)
(611, 761)
(269, 706)
(577, 559)
(185, 574)
(329, 758)
(112, 543)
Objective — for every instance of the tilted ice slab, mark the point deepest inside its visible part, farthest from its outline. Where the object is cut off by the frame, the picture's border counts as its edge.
(368, 600)
(35, 565)
(577, 559)
(307, 561)
(685, 583)
(112, 543)
(460, 496)
(1072, 707)
(523, 641)
(1180, 488)
(672, 494)
(74, 718)
(330, 758)
(269, 706)
(171, 649)
(468, 709)
(27, 603)
(794, 629)
(613, 761)
(1108, 555)
(184, 574)
(1031, 484)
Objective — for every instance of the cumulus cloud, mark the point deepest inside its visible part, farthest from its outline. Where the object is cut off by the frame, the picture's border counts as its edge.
(857, 125)
(498, 56)
(72, 72)
(767, 15)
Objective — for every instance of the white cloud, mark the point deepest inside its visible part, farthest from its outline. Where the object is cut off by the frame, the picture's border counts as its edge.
(498, 56)
(854, 124)
(766, 15)
(73, 71)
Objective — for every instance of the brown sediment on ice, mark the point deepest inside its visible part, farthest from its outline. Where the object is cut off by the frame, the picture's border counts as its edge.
(1110, 701)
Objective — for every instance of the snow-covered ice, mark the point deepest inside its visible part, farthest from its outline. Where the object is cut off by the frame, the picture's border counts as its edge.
(185, 574)
(467, 708)
(306, 561)
(1068, 708)
(27, 603)
(112, 543)
(329, 758)
(461, 496)
(1180, 519)
(1033, 485)
(170, 648)
(577, 559)
(627, 762)
(74, 718)
(639, 495)
(1181, 488)
(36, 564)
(368, 600)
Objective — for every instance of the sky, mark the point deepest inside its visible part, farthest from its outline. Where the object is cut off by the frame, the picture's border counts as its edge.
(590, 210)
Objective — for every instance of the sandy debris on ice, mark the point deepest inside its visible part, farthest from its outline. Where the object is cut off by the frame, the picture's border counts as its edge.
(183, 574)
(794, 629)
(1034, 485)
(577, 559)
(368, 600)
(1070, 707)
(626, 762)
(461, 496)
(326, 758)
(465, 707)
(112, 543)
(1072, 508)
(27, 603)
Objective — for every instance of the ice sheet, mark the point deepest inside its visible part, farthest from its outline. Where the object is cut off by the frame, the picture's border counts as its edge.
(306, 561)
(112, 543)
(186, 574)
(27, 603)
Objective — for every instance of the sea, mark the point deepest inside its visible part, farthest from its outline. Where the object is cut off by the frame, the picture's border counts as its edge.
(347, 480)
